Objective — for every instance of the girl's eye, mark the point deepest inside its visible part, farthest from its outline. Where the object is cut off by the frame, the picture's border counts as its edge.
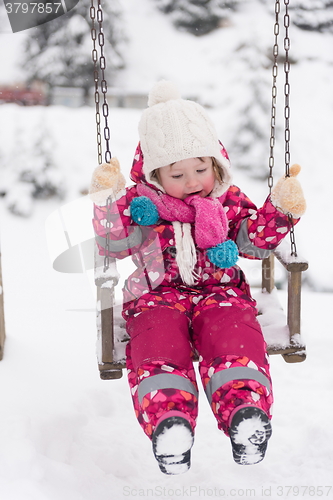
(202, 170)
(177, 176)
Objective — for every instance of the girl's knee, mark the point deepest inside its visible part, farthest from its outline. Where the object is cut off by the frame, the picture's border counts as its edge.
(229, 331)
(161, 333)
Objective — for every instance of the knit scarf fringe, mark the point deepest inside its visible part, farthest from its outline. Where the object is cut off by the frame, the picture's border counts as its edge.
(186, 256)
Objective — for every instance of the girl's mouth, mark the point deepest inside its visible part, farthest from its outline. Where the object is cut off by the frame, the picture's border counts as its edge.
(195, 193)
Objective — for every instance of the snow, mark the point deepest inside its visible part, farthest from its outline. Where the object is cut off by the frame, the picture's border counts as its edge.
(174, 441)
(64, 432)
(272, 318)
(250, 433)
(284, 253)
(172, 447)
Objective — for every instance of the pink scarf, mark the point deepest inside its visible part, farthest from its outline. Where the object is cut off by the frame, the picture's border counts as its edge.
(207, 214)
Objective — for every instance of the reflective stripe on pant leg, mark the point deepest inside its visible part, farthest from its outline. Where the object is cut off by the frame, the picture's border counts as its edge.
(222, 377)
(154, 405)
(165, 381)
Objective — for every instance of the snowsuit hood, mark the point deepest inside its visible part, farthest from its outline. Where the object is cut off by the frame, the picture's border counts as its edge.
(138, 176)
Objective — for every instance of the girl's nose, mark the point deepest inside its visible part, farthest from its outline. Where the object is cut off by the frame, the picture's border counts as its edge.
(192, 182)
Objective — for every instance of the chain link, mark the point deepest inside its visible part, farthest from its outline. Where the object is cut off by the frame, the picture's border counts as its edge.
(104, 87)
(100, 70)
(293, 251)
(96, 81)
(274, 94)
(287, 118)
(98, 39)
(287, 89)
(286, 106)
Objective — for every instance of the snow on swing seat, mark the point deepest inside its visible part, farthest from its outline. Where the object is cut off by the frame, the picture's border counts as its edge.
(274, 325)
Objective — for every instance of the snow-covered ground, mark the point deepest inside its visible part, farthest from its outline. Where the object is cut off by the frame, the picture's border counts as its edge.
(66, 434)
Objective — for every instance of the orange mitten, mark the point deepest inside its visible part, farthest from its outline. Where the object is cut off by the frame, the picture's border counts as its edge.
(287, 196)
(107, 180)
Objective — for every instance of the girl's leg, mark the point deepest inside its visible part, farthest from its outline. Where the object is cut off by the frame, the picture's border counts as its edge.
(160, 369)
(233, 363)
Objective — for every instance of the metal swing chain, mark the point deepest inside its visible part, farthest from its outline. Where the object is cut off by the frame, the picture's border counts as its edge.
(104, 87)
(105, 107)
(287, 118)
(287, 90)
(286, 106)
(274, 94)
(96, 81)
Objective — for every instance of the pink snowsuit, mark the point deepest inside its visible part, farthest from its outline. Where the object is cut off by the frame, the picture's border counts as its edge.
(168, 321)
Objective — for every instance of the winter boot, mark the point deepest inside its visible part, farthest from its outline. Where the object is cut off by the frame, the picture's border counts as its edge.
(172, 442)
(249, 432)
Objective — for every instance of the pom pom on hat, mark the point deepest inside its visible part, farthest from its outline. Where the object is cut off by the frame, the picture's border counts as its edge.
(163, 91)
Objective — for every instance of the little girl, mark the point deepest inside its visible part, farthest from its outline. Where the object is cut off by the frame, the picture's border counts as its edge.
(184, 223)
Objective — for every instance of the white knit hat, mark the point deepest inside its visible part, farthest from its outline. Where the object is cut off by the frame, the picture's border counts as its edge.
(172, 129)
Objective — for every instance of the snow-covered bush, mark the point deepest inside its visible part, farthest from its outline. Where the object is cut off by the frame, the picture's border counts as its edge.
(313, 15)
(30, 173)
(198, 17)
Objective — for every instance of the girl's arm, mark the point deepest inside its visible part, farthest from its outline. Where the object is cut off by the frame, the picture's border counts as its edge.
(256, 231)
(125, 236)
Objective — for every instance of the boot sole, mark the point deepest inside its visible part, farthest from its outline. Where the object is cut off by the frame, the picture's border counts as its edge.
(172, 443)
(249, 431)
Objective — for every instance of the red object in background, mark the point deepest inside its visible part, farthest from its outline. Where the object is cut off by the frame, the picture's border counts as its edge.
(22, 96)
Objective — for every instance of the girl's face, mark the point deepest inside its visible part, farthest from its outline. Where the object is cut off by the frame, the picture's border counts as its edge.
(186, 177)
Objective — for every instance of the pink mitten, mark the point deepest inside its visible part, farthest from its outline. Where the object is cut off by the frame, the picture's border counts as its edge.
(287, 196)
(107, 180)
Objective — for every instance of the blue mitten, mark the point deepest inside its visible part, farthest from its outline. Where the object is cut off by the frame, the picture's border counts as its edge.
(144, 211)
(224, 254)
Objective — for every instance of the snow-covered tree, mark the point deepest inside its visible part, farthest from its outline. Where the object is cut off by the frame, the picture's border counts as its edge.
(313, 15)
(59, 52)
(198, 17)
(30, 173)
(310, 15)
(41, 171)
(250, 146)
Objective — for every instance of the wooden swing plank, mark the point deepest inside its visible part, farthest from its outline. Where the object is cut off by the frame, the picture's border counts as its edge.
(105, 281)
(108, 367)
(105, 297)
(295, 265)
(294, 313)
(267, 274)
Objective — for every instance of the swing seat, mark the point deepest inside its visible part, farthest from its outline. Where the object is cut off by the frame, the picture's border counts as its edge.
(282, 334)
